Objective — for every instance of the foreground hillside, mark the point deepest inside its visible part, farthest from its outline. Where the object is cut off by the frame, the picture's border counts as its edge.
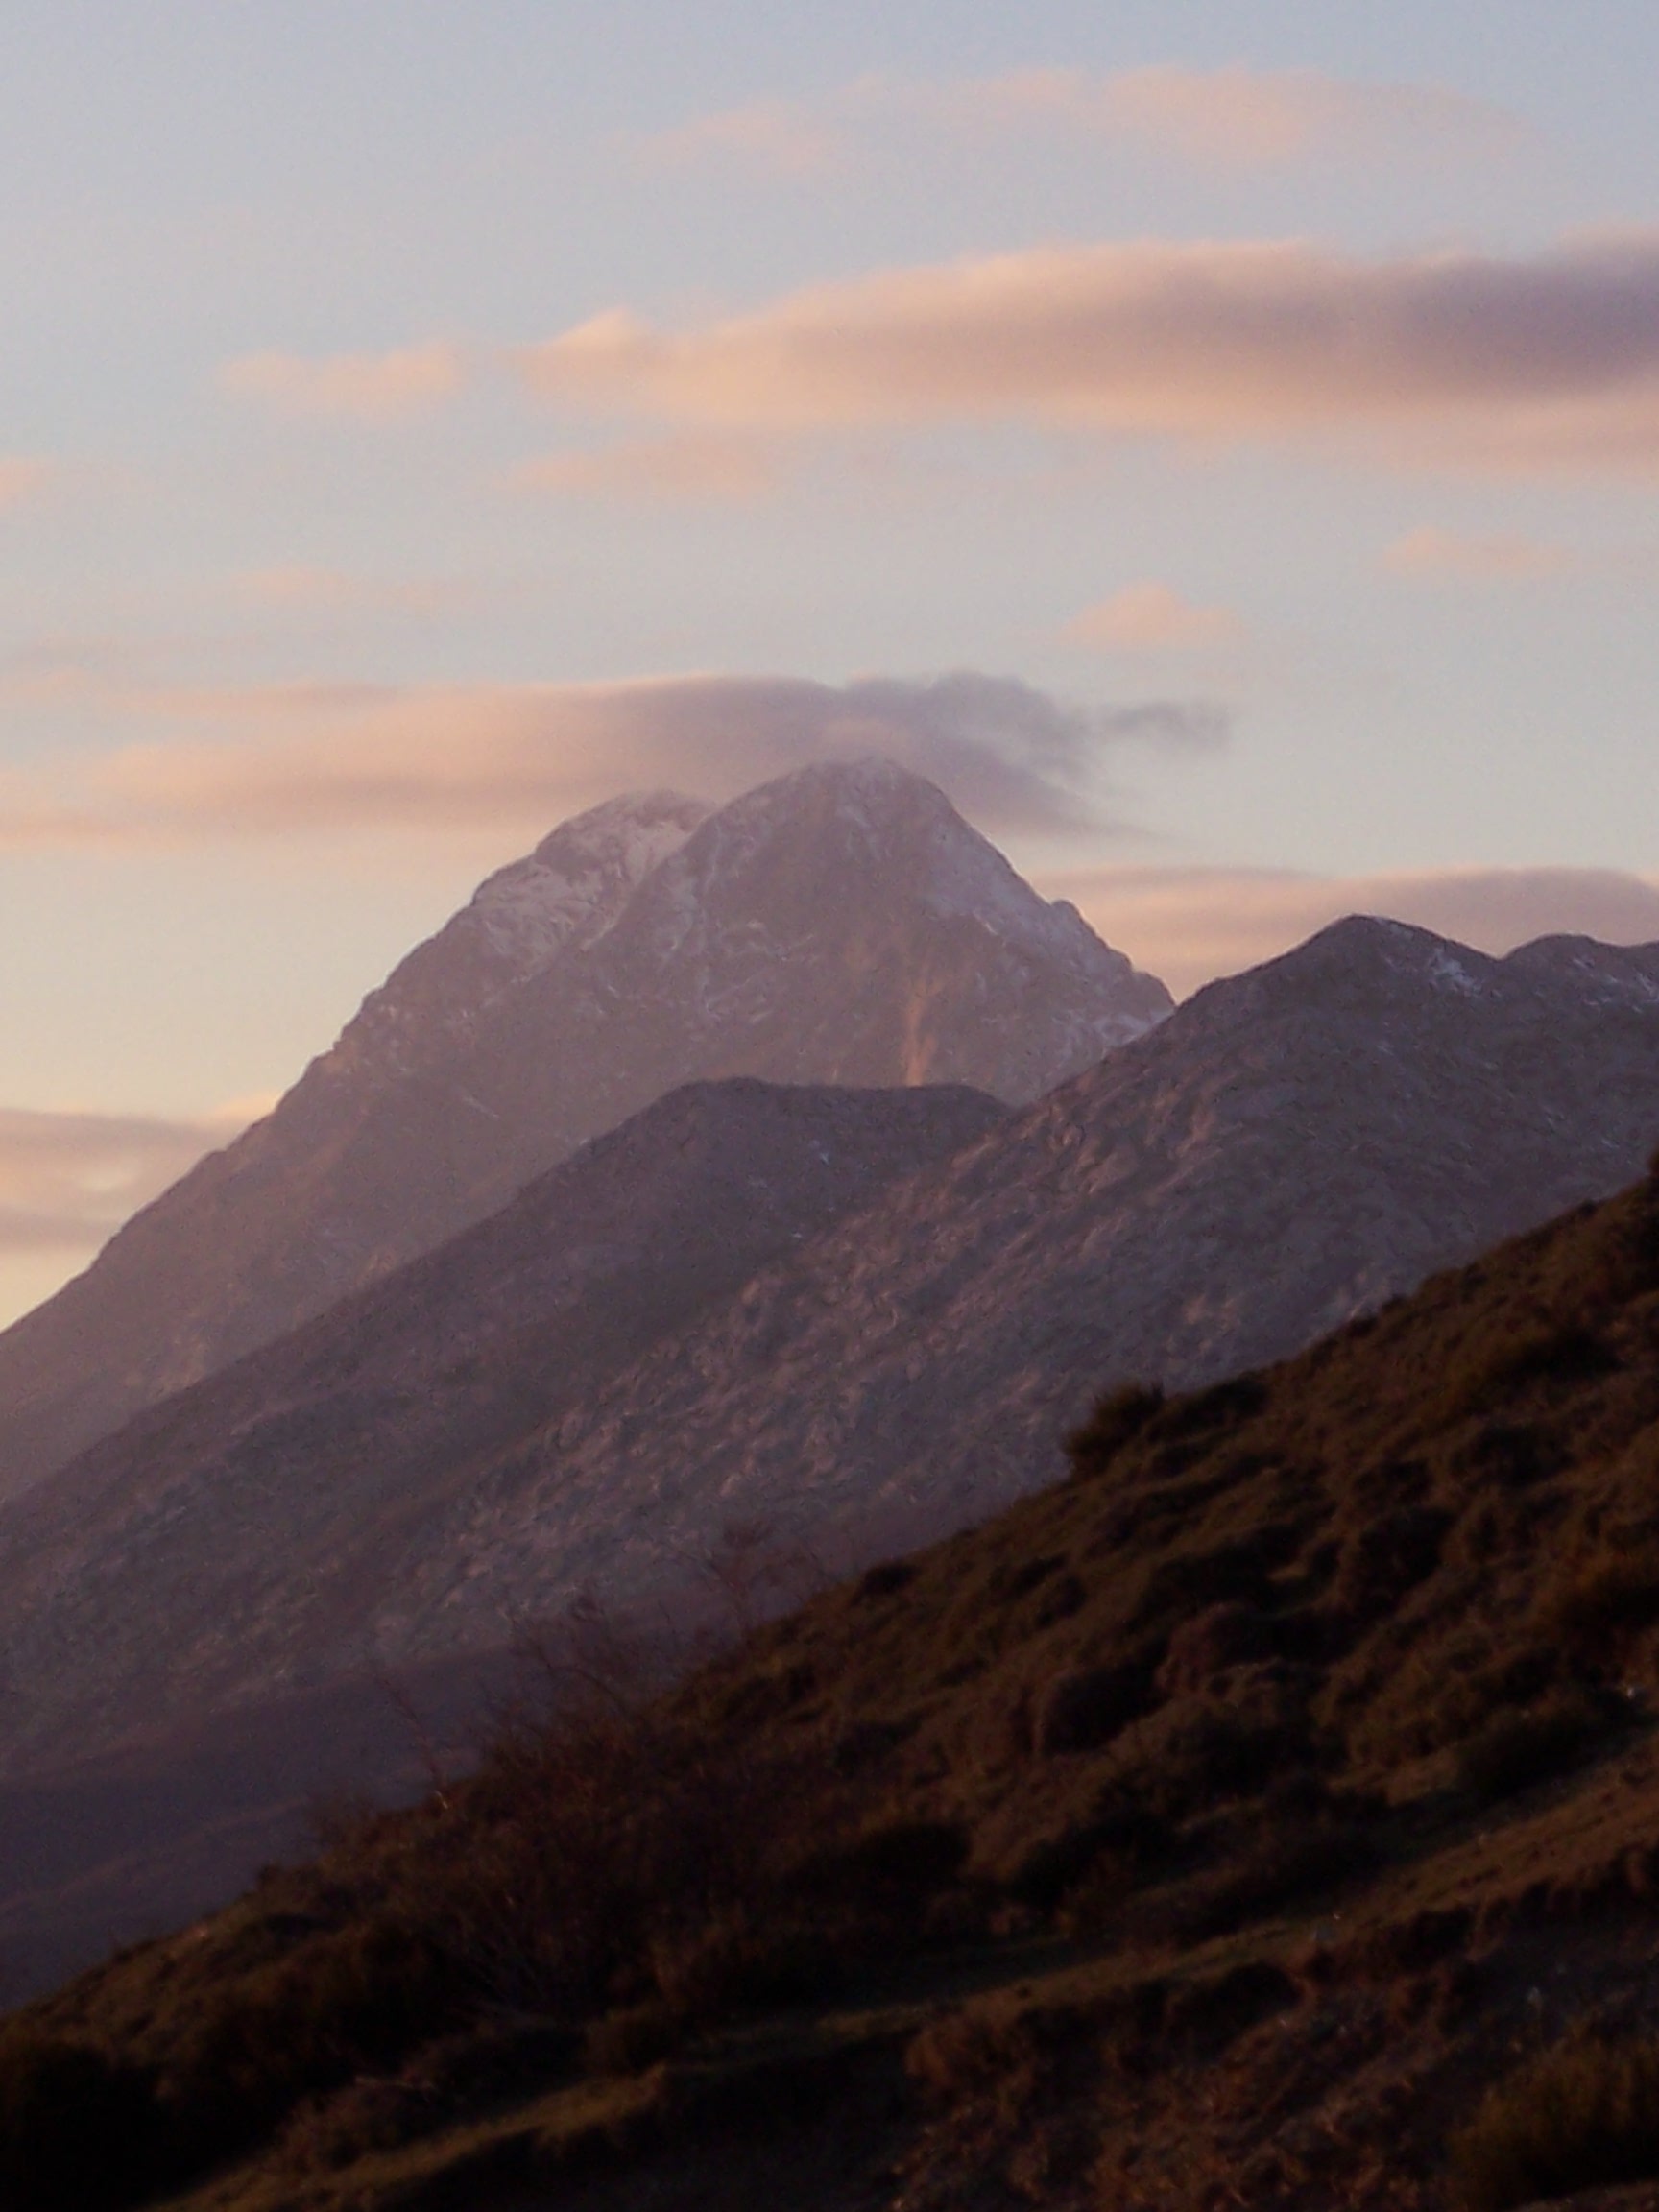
(1214, 1829)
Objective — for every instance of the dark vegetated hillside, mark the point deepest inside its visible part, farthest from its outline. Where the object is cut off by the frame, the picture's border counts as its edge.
(1269, 1815)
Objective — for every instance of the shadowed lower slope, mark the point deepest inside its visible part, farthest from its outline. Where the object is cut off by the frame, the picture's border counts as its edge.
(254, 1523)
(1214, 1828)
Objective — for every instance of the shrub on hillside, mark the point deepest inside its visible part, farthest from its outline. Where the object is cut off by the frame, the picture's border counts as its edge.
(1602, 1599)
(78, 2130)
(1583, 2116)
(352, 2001)
(1084, 1707)
(1117, 1420)
(1516, 1750)
(1509, 1354)
(374, 2114)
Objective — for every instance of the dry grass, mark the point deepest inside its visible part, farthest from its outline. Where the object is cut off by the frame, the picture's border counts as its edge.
(1584, 2116)
(1248, 1673)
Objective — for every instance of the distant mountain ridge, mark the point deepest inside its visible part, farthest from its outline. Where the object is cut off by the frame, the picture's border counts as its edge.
(306, 1470)
(1293, 1146)
(843, 925)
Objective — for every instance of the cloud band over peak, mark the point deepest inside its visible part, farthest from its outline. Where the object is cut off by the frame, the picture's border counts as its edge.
(310, 759)
(1544, 361)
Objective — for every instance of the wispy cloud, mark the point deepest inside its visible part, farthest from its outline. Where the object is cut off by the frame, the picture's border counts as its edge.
(1153, 617)
(1463, 557)
(360, 387)
(1190, 924)
(67, 1181)
(306, 590)
(682, 470)
(1538, 362)
(779, 137)
(297, 759)
(23, 476)
(1235, 117)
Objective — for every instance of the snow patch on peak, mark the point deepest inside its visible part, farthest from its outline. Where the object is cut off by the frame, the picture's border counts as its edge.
(1447, 969)
(572, 887)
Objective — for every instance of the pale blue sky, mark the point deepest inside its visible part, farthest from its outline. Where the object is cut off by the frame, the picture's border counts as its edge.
(280, 494)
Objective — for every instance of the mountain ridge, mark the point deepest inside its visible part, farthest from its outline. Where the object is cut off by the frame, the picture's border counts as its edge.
(788, 936)
(1291, 1148)
(314, 1458)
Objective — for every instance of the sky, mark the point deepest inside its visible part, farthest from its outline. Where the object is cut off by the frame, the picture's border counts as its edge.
(1217, 441)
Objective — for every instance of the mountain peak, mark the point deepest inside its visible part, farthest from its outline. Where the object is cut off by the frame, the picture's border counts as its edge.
(870, 830)
(840, 925)
(564, 895)
(576, 882)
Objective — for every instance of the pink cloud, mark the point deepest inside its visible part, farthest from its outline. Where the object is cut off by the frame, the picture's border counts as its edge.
(67, 1181)
(1461, 557)
(1232, 118)
(296, 760)
(362, 387)
(779, 137)
(1266, 118)
(684, 469)
(1152, 617)
(301, 590)
(1540, 362)
(22, 476)
(1190, 924)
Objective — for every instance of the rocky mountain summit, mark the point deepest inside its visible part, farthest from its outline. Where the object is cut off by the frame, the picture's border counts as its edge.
(843, 925)
(1292, 1148)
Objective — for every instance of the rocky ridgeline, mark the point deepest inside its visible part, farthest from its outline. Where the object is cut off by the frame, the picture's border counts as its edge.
(1292, 1148)
(841, 926)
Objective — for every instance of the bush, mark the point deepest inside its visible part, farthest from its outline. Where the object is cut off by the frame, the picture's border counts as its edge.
(1514, 1750)
(633, 2039)
(78, 2129)
(352, 2001)
(592, 1842)
(892, 1868)
(1115, 1421)
(1084, 1707)
(365, 2116)
(1583, 2116)
(1602, 1598)
(1499, 1361)
(1088, 1863)
(734, 1961)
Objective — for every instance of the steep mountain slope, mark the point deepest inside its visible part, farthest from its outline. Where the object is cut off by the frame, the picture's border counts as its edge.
(305, 1473)
(843, 925)
(1289, 1148)
(1264, 1815)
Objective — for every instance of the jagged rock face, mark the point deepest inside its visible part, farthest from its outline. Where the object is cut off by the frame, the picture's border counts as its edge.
(1292, 1146)
(300, 1476)
(843, 925)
